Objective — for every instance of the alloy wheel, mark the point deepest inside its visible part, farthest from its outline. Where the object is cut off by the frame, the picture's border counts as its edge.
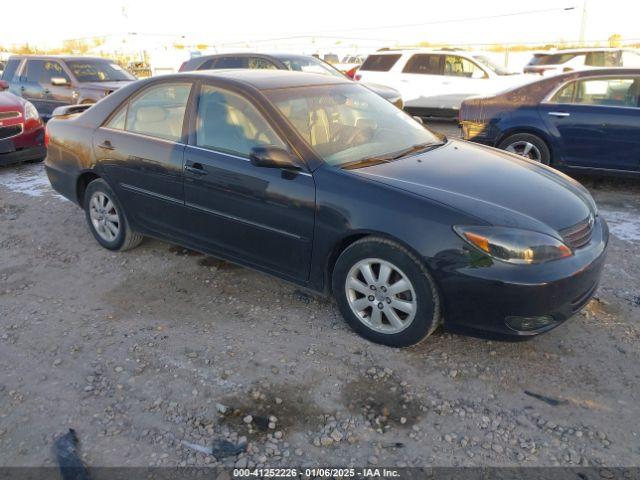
(525, 149)
(104, 216)
(381, 296)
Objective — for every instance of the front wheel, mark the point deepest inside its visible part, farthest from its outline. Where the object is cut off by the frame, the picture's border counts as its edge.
(528, 146)
(106, 218)
(385, 293)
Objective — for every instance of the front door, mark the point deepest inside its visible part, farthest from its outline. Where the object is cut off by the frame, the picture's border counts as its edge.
(256, 215)
(141, 149)
(596, 122)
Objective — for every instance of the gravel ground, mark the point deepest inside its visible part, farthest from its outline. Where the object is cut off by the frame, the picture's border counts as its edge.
(155, 355)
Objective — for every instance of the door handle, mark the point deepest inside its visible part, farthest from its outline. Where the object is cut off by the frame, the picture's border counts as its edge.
(559, 114)
(47, 91)
(106, 145)
(196, 169)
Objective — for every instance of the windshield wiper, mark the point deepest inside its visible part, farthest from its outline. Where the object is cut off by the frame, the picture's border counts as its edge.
(420, 147)
(365, 162)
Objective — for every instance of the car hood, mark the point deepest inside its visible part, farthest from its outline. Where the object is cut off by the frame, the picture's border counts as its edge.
(9, 102)
(494, 186)
(105, 85)
(385, 92)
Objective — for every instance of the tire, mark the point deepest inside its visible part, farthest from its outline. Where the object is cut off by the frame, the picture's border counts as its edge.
(110, 211)
(538, 149)
(395, 326)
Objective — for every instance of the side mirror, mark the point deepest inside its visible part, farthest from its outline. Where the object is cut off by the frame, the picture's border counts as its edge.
(59, 82)
(273, 157)
(4, 85)
(418, 119)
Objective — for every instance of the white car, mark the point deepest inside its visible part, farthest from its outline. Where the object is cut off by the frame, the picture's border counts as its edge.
(435, 82)
(560, 61)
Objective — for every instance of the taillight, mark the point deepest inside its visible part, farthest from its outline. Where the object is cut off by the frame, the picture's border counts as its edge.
(357, 77)
(46, 136)
(352, 72)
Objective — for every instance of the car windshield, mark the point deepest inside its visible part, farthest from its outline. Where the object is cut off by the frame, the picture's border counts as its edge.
(99, 71)
(310, 64)
(349, 124)
(487, 62)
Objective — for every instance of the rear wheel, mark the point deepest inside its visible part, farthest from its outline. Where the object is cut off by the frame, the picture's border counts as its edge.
(385, 294)
(106, 218)
(527, 145)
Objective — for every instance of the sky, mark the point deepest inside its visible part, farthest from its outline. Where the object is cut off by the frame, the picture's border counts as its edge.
(454, 21)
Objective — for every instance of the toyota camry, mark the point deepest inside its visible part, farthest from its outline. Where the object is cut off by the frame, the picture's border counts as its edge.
(323, 183)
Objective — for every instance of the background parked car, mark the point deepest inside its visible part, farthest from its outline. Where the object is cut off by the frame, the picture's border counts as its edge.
(282, 61)
(434, 83)
(585, 58)
(51, 81)
(2, 65)
(586, 120)
(21, 130)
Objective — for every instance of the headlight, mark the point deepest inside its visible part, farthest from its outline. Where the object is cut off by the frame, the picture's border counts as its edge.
(30, 112)
(514, 245)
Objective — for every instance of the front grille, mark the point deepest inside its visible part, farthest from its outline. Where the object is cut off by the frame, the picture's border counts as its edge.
(579, 234)
(11, 131)
(6, 115)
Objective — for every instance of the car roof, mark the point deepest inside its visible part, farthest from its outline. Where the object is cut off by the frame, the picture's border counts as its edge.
(265, 79)
(60, 57)
(600, 72)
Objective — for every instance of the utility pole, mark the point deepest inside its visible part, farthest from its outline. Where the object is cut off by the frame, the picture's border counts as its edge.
(583, 23)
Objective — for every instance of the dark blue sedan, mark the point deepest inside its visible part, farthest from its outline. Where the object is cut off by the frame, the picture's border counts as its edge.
(583, 121)
(319, 181)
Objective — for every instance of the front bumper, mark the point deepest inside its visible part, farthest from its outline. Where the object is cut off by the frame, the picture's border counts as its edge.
(481, 295)
(23, 155)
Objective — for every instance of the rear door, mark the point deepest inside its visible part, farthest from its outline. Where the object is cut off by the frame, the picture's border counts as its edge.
(259, 216)
(140, 149)
(379, 68)
(30, 87)
(596, 122)
(422, 82)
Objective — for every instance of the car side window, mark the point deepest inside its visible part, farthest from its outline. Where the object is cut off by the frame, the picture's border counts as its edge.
(613, 92)
(456, 66)
(261, 63)
(630, 59)
(33, 71)
(10, 69)
(228, 122)
(380, 63)
(118, 121)
(52, 70)
(424, 64)
(232, 62)
(157, 112)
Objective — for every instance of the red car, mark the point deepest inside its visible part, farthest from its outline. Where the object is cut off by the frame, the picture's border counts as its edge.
(21, 130)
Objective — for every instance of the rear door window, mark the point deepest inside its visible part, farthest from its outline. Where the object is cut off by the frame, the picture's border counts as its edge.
(261, 64)
(10, 69)
(425, 64)
(380, 63)
(232, 62)
(33, 71)
(157, 112)
(611, 92)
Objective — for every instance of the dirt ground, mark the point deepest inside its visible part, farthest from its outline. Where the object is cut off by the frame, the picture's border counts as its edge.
(151, 353)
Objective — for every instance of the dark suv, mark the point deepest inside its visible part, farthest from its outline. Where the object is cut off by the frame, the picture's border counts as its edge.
(51, 81)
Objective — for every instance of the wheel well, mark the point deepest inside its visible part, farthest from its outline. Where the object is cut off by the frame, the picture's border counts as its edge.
(346, 243)
(81, 186)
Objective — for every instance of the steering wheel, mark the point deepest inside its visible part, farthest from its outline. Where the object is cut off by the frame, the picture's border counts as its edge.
(339, 136)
